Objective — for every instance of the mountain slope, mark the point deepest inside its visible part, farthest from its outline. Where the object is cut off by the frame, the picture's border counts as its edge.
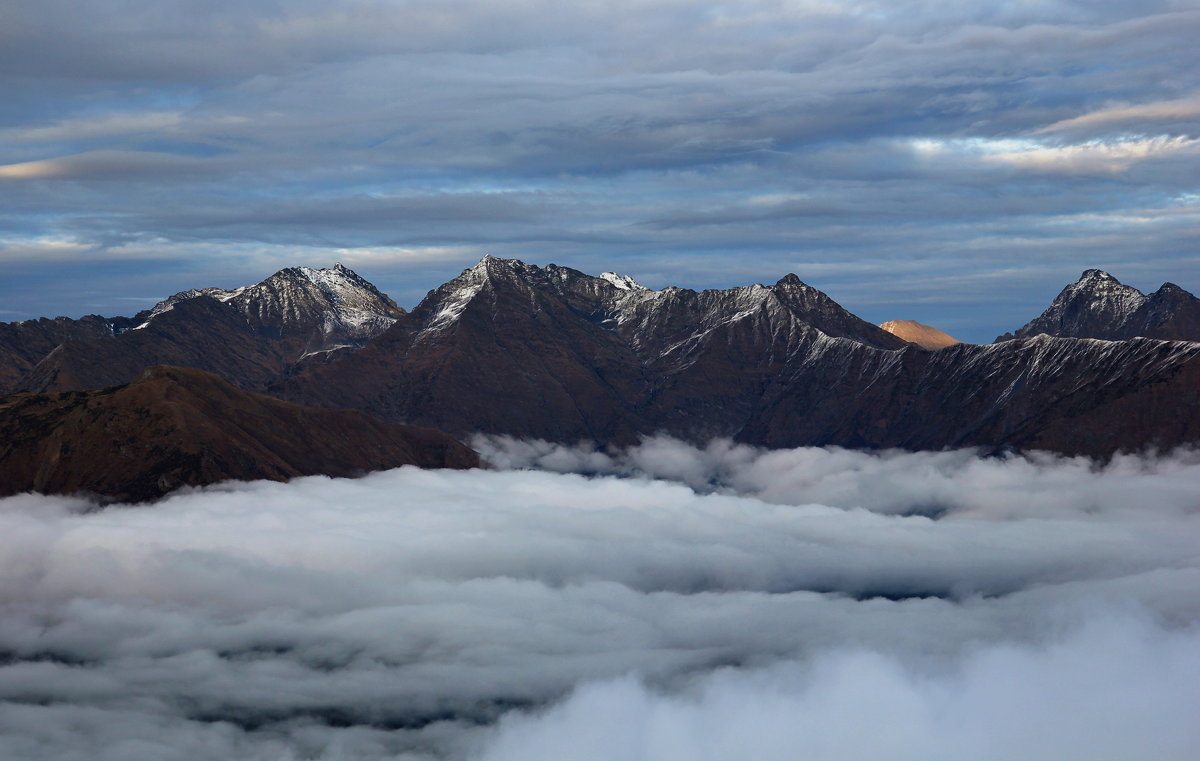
(175, 427)
(553, 353)
(922, 335)
(249, 336)
(24, 344)
(317, 309)
(1072, 396)
(1099, 306)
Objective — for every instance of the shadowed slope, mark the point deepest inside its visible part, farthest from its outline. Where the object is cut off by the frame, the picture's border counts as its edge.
(552, 353)
(176, 427)
(1099, 306)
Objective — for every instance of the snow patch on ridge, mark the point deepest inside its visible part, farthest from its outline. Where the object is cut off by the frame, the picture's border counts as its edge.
(624, 282)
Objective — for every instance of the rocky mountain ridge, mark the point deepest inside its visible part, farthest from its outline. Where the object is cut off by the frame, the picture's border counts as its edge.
(1100, 306)
(554, 353)
(249, 335)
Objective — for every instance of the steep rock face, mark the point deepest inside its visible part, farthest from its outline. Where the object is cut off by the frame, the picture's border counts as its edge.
(176, 427)
(1169, 313)
(922, 335)
(249, 335)
(1072, 396)
(1099, 306)
(553, 353)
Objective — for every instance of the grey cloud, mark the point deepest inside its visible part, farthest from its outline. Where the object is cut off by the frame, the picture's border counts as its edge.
(1001, 703)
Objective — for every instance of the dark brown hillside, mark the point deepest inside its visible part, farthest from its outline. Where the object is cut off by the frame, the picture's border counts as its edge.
(176, 427)
(201, 333)
(24, 344)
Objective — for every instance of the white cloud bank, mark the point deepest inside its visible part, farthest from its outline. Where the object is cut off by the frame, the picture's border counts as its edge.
(792, 604)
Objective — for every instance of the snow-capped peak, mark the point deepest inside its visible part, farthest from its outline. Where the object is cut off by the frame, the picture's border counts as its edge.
(334, 303)
(624, 282)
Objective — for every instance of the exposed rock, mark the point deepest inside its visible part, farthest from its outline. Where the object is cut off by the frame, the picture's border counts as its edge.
(1099, 306)
(249, 335)
(553, 353)
(24, 344)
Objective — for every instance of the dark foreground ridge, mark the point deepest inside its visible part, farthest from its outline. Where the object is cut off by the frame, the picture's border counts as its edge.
(174, 427)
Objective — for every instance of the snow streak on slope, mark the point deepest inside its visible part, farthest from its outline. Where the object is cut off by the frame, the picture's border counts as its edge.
(336, 301)
(1048, 609)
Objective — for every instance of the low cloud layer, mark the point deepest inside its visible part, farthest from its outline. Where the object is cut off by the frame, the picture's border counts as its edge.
(1115, 689)
(740, 599)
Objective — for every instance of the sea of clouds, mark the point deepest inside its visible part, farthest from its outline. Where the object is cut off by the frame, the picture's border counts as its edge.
(664, 602)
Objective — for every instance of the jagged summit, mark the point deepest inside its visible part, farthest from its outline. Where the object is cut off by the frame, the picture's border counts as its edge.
(324, 307)
(624, 282)
(1098, 305)
(637, 315)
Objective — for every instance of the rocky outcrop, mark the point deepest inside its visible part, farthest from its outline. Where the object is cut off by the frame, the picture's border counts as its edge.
(1099, 306)
(556, 354)
(250, 336)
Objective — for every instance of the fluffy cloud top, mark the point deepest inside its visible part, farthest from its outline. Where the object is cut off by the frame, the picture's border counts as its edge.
(801, 599)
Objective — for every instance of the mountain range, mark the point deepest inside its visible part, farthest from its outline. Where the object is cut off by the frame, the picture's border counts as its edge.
(250, 335)
(553, 353)
(1100, 306)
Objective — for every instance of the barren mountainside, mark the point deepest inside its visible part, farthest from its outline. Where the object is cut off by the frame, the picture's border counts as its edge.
(1099, 306)
(174, 427)
(249, 335)
(553, 353)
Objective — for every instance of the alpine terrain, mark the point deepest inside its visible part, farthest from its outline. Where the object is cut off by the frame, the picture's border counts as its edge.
(925, 336)
(553, 353)
(249, 335)
(1099, 306)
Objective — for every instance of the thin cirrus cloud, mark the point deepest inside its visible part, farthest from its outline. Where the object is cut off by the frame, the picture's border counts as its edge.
(887, 605)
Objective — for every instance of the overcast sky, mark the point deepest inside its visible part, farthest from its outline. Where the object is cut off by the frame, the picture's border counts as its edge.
(956, 163)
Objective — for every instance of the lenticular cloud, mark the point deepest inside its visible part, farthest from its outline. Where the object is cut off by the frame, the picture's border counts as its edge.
(660, 603)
